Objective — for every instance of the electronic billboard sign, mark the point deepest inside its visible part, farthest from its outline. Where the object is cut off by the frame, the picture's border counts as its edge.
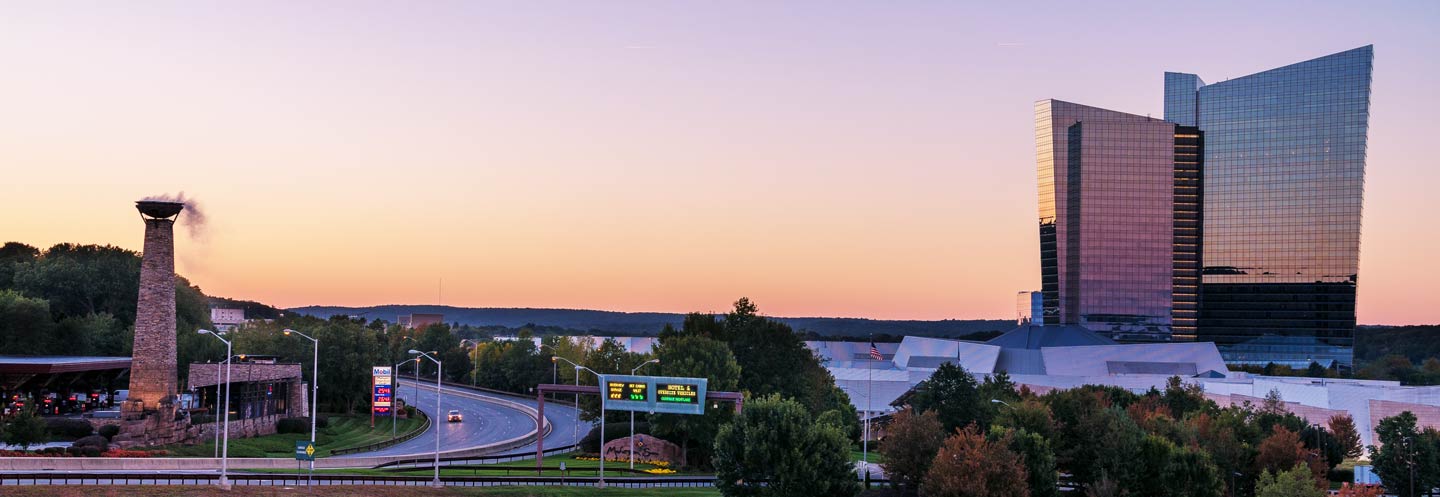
(654, 394)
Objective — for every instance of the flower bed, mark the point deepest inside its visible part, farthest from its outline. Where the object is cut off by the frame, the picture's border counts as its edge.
(108, 453)
(133, 453)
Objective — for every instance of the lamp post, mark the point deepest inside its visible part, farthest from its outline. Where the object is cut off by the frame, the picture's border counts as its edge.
(601, 482)
(392, 402)
(417, 369)
(224, 452)
(314, 386)
(632, 414)
(217, 399)
(474, 356)
(1410, 461)
(554, 376)
(439, 373)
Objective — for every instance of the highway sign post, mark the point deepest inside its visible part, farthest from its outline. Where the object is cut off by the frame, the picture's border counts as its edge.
(305, 451)
(654, 394)
(382, 389)
(677, 393)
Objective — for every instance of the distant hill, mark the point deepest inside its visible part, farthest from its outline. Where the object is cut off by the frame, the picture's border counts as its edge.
(650, 323)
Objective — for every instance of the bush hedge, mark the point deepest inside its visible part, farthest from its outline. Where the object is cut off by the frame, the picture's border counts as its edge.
(293, 425)
(109, 432)
(69, 428)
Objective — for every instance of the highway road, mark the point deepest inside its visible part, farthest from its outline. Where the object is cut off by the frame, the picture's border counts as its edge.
(484, 422)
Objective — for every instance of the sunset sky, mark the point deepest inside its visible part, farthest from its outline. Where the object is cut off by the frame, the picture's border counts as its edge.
(869, 159)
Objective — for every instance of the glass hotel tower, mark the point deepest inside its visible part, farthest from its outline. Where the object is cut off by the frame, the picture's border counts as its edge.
(1254, 189)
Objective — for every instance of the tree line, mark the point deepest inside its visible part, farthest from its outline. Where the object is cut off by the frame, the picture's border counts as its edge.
(954, 435)
(737, 351)
(80, 300)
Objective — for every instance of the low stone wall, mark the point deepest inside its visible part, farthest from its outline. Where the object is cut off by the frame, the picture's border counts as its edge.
(243, 428)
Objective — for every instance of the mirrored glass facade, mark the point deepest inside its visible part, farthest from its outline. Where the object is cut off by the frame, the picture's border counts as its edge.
(1107, 189)
(1283, 181)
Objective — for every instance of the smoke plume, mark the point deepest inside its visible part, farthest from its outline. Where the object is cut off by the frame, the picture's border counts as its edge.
(193, 218)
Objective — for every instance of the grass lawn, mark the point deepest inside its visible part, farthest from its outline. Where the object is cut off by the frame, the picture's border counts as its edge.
(343, 432)
(875, 457)
(574, 467)
(347, 491)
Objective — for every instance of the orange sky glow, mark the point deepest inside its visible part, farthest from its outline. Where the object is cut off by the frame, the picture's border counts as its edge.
(822, 159)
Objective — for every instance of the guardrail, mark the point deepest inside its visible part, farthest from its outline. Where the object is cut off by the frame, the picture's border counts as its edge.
(415, 432)
(428, 462)
(291, 480)
(506, 393)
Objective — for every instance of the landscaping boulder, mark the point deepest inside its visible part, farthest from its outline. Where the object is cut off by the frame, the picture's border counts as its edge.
(647, 449)
(101, 443)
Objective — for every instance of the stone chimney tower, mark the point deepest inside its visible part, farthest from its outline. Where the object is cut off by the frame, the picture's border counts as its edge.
(152, 369)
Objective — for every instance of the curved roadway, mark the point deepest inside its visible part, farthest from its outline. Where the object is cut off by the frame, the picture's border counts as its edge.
(484, 422)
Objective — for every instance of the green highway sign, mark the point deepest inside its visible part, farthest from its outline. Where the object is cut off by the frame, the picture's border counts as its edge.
(655, 394)
(304, 450)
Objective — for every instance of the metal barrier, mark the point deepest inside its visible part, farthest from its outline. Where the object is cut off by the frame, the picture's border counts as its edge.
(291, 480)
(389, 442)
(429, 462)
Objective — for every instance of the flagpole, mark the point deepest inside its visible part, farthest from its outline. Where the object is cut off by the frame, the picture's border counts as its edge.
(865, 440)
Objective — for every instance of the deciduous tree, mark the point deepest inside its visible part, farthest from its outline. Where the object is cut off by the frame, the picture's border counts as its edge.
(775, 449)
(954, 395)
(1343, 427)
(1283, 450)
(1295, 482)
(695, 356)
(912, 439)
(969, 465)
(1406, 461)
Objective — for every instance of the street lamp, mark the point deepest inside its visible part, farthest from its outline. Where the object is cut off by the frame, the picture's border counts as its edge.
(417, 369)
(315, 387)
(225, 451)
(998, 401)
(474, 356)
(217, 400)
(1410, 461)
(554, 375)
(601, 482)
(392, 401)
(439, 373)
(632, 414)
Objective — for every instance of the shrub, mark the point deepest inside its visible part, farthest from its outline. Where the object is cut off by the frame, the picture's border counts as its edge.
(293, 425)
(201, 419)
(97, 441)
(109, 432)
(1341, 475)
(90, 451)
(69, 428)
(322, 422)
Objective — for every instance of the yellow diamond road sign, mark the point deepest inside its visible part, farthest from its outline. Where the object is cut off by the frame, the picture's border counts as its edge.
(309, 450)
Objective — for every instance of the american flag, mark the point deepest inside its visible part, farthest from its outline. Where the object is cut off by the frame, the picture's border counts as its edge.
(874, 352)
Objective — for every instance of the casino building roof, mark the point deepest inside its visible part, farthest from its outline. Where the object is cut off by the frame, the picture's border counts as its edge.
(1045, 358)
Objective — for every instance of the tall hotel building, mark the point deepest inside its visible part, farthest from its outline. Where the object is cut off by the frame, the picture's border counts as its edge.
(1236, 219)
